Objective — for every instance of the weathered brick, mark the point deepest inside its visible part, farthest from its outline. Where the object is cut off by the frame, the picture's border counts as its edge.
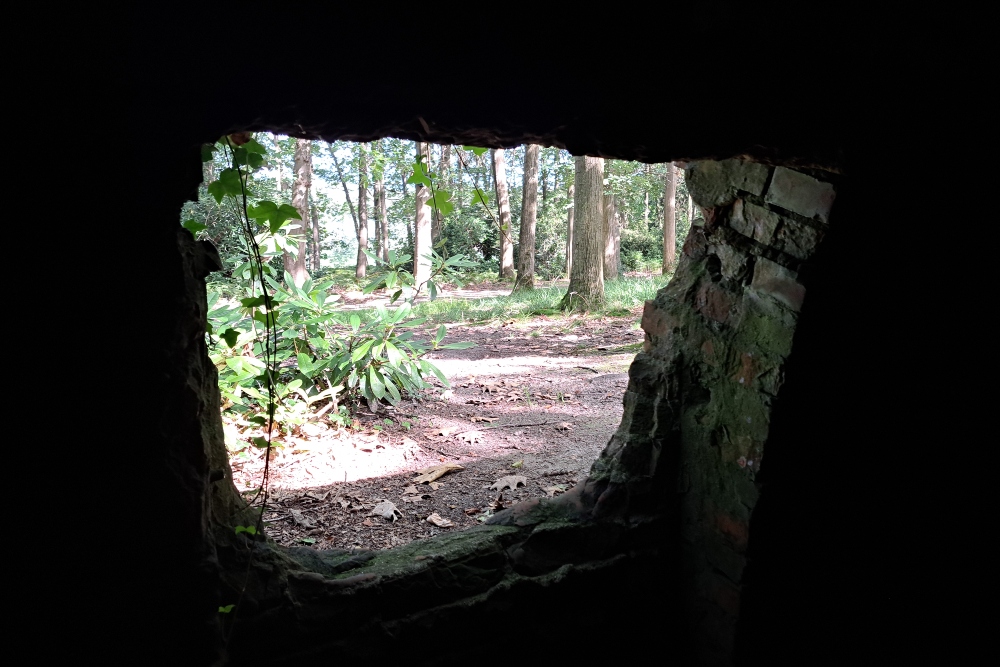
(755, 222)
(739, 222)
(747, 176)
(797, 239)
(764, 222)
(732, 262)
(780, 283)
(714, 302)
(802, 194)
(656, 321)
(744, 376)
(714, 183)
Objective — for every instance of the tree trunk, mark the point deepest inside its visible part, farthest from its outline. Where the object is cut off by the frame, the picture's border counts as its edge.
(441, 182)
(569, 231)
(529, 214)
(503, 202)
(586, 282)
(361, 268)
(378, 201)
(690, 206)
(544, 183)
(422, 229)
(296, 265)
(645, 200)
(280, 171)
(612, 237)
(669, 218)
(315, 238)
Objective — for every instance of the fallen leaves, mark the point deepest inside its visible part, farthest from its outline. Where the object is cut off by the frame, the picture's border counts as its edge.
(472, 437)
(434, 472)
(509, 482)
(387, 510)
(440, 521)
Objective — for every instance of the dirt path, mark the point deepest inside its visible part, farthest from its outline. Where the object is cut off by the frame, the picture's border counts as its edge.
(529, 409)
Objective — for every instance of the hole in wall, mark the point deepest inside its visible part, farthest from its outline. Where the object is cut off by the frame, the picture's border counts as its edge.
(529, 407)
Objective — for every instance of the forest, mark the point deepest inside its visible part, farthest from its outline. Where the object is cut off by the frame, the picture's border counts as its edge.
(394, 308)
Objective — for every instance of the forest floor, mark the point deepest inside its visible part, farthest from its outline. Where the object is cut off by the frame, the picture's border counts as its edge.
(529, 409)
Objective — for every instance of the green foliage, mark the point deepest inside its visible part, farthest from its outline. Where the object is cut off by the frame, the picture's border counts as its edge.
(319, 358)
(396, 276)
(283, 350)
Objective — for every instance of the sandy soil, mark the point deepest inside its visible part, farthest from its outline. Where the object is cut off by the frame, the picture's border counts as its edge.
(529, 409)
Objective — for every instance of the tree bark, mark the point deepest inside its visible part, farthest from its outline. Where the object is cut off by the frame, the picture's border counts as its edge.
(280, 171)
(529, 215)
(569, 231)
(441, 182)
(503, 202)
(361, 268)
(315, 239)
(422, 229)
(612, 237)
(645, 199)
(669, 218)
(586, 282)
(690, 204)
(296, 265)
(378, 201)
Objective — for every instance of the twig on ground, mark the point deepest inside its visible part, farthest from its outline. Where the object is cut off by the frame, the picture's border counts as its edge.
(588, 368)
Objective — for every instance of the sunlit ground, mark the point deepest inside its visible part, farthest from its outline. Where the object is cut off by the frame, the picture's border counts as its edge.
(319, 455)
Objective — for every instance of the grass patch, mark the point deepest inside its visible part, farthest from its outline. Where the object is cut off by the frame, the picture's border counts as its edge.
(623, 297)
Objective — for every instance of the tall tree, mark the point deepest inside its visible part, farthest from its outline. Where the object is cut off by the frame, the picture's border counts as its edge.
(315, 237)
(529, 216)
(379, 202)
(586, 281)
(612, 239)
(503, 202)
(569, 230)
(296, 265)
(437, 224)
(279, 172)
(361, 268)
(422, 226)
(645, 198)
(669, 218)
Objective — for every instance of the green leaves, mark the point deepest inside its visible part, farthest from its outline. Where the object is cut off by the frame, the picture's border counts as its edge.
(420, 175)
(275, 215)
(207, 152)
(229, 183)
(226, 609)
(476, 150)
(480, 197)
(230, 336)
(442, 202)
(193, 226)
(250, 530)
(241, 156)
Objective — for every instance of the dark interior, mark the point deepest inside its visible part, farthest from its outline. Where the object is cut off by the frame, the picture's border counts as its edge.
(857, 546)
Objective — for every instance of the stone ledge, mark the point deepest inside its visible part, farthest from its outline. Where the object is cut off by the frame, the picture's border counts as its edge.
(801, 194)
